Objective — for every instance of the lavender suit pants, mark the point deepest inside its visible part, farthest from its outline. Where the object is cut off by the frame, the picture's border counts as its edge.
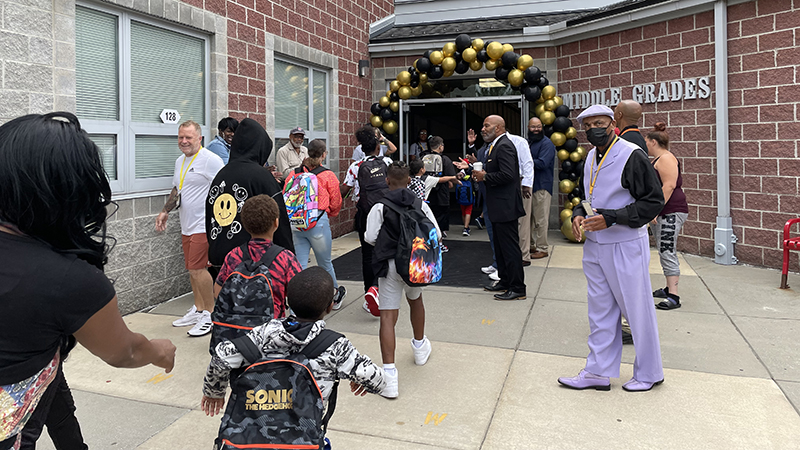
(618, 282)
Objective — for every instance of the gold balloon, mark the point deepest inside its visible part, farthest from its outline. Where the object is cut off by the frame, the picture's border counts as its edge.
(575, 201)
(524, 62)
(566, 215)
(516, 77)
(469, 54)
(384, 102)
(548, 92)
(404, 93)
(566, 230)
(448, 73)
(449, 64)
(476, 65)
(559, 101)
(423, 77)
(389, 94)
(582, 151)
(494, 50)
(394, 106)
(436, 57)
(550, 105)
(390, 127)
(415, 63)
(568, 204)
(571, 133)
(562, 155)
(394, 85)
(538, 109)
(376, 121)
(540, 99)
(508, 48)
(417, 91)
(477, 44)
(558, 139)
(449, 49)
(548, 117)
(566, 186)
(492, 64)
(404, 78)
(574, 156)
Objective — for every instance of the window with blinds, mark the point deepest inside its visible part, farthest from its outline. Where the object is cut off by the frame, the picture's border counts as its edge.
(301, 100)
(156, 155)
(96, 65)
(107, 144)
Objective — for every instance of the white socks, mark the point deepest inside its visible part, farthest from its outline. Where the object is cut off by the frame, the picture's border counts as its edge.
(390, 369)
(416, 343)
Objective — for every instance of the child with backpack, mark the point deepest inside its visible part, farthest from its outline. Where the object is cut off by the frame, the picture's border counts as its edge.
(421, 183)
(465, 197)
(291, 365)
(407, 256)
(311, 196)
(439, 165)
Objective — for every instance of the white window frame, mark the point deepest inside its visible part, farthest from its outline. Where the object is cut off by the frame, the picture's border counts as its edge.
(126, 185)
(281, 133)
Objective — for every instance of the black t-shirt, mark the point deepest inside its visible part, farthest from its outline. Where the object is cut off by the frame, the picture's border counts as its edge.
(45, 296)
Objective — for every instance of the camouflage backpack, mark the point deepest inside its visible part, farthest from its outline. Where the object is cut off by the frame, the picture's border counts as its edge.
(276, 402)
(245, 300)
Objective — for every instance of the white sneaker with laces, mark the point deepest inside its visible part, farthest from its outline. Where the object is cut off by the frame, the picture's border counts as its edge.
(203, 326)
(422, 353)
(488, 269)
(494, 276)
(391, 389)
(190, 318)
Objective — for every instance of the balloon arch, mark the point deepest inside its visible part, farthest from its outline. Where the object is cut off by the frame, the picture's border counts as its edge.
(518, 70)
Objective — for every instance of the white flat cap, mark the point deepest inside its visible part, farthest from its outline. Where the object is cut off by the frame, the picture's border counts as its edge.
(596, 110)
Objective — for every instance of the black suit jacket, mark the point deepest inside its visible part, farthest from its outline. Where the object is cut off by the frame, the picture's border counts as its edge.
(503, 197)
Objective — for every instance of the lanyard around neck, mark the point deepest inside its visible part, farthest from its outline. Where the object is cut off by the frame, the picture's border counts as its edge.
(592, 174)
(183, 174)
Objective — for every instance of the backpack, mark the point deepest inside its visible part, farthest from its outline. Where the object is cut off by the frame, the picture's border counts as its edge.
(433, 164)
(245, 300)
(302, 199)
(371, 182)
(464, 194)
(419, 254)
(276, 402)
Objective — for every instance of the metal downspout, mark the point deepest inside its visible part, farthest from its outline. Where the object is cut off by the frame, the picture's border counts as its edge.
(723, 233)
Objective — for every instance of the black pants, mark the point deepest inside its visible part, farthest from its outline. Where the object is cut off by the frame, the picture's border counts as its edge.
(509, 255)
(366, 251)
(442, 215)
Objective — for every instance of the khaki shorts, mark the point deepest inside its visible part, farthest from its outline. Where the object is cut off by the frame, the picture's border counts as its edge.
(195, 251)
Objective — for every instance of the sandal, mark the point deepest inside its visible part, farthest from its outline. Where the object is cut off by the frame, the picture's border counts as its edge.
(661, 293)
(669, 303)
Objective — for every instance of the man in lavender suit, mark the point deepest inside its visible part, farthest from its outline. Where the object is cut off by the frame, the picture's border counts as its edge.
(625, 194)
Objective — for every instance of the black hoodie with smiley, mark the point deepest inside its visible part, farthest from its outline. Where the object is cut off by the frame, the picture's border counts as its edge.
(243, 177)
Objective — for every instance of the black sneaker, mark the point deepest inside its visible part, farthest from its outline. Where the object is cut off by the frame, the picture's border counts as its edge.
(465, 233)
(627, 338)
(341, 292)
(480, 223)
(445, 249)
(661, 293)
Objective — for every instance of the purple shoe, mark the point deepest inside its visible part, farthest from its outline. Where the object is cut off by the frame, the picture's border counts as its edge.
(586, 380)
(633, 385)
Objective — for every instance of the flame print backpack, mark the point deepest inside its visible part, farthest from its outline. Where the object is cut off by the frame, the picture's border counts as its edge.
(419, 253)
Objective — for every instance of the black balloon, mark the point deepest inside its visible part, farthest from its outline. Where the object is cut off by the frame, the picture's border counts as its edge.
(386, 114)
(395, 116)
(457, 57)
(427, 54)
(501, 73)
(415, 77)
(462, 67)
(548, 130)
(532, 93)
(436, 72)
(571, 196)
(414, 83)
(567, 165)
(576, 192)
(394, 97)
(543, 82)
(532, 75)
(579, 168)
(463, 42)
(509, 60)
(572, 176)
(375, 109)
(561, 111)
(562, 124)
(563, 175)
(424, 64)
(482, 55)
(570, 145)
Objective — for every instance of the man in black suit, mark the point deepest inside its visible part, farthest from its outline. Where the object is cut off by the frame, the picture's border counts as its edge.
(501, 177)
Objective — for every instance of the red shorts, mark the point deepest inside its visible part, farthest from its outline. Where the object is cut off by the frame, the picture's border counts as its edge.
(195, 251)
(466, 209)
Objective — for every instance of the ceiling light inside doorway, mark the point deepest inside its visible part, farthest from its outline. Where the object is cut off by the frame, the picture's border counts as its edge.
(490, 83)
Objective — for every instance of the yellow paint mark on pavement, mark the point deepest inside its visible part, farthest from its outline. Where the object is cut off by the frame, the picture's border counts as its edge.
(487, 321)
(159, 378)
(435, 417)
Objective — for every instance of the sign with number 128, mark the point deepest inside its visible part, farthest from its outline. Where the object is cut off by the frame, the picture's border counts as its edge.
(170, 116)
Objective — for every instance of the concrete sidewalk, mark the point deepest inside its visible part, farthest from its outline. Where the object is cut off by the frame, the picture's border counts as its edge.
(731, 357)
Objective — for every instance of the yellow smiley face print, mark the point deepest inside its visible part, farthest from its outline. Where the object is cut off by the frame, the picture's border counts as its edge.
(225, 209)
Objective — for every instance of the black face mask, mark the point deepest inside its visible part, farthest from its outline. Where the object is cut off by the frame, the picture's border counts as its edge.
(597, 137)
(535, 137)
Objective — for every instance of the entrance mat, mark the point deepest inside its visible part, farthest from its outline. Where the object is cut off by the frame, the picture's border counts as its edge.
(461, 266)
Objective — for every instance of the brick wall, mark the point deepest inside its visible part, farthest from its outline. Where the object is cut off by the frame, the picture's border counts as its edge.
(763, 108)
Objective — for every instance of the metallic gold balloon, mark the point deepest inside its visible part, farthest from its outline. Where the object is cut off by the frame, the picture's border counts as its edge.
(389, 94)
(547, 117)
(566, 230)
(524, 62)
(540, 99)
(538, 109)
(494, 50)
(477, 44)
(575, 200)
(436, 57)
(558, 139)
(404, 78)
(562, 154)
(574, 156)
(376, 121)
(548, 92)
(568, 204)
(449, 49)
(394, 85)
(582, 151)
(415, 63)
(571, 133)
(516, 77)
(390, 127)
(566, 186)
(559, 101)
(508, 48)
(469, 55)
(448, 73)
(384, 102)
(550, 105)
(566, 215)
(449, 64)
(404, 93)
(423, 77)
(394, 106)
(476, 65)
(492, 64)
(417, 91)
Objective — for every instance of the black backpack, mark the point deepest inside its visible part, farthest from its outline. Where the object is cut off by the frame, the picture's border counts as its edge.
(419, 253)
(276, 402)
(371, 182)
(245, 300)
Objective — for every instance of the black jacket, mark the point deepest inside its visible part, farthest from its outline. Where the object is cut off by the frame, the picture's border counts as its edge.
(243, 177)
(503, 197)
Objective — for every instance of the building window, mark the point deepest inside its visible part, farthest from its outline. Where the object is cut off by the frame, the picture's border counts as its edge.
(129, 69)
(301, 100)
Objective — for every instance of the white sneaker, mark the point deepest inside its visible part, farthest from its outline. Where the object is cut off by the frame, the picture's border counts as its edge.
(422, 353)
(190, 318)
(494, 276)
(488, 269)
(391, 389)
(203, 326)
(341, 292)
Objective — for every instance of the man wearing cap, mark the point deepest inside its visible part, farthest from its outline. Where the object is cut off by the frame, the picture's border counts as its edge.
(624, 195)
(291, 155)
